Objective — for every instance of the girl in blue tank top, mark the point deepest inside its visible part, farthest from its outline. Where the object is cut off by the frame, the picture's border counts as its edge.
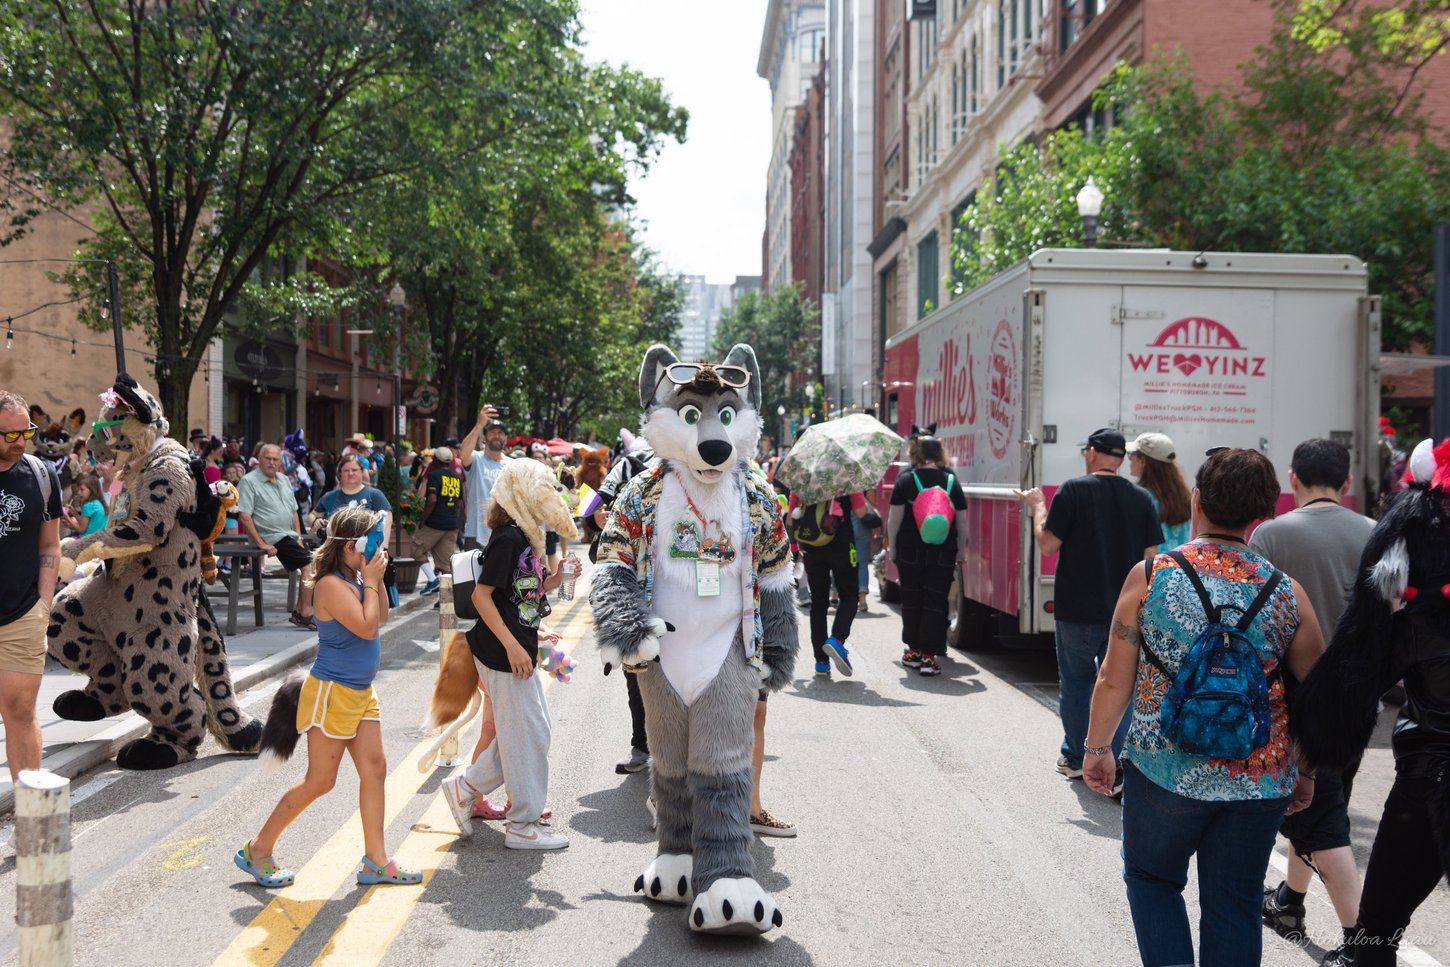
(337, 708)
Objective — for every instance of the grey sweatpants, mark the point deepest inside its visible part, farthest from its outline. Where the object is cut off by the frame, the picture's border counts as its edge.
(519, 757)
(700, 767)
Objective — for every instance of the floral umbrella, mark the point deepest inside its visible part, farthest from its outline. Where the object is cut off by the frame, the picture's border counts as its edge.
(839, 457)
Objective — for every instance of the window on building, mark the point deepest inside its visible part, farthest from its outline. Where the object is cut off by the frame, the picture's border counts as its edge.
(935, 128)
(974, 75)
(1074, 17)
(927, 275)
(810, 45)
(956, 98)
(891, 321)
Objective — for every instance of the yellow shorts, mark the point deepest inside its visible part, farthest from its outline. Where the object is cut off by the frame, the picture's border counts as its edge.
(22, 641)
(335, 709)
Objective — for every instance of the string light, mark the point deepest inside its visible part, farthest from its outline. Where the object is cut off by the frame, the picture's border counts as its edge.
(72, 345)
(9, 334)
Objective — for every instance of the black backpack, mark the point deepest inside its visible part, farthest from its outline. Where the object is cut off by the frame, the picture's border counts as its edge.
(201, 521)
(817, 525)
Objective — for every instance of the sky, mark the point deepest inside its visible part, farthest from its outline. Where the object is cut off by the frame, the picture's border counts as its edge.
(702, 204)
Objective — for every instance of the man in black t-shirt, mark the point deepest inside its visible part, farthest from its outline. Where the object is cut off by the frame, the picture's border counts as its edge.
(1100, 525)
(30, 510)
(438, 534)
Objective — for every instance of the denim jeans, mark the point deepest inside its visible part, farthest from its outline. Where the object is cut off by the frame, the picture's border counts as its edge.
(863, 555)
(1232, 840)
(1080, 649)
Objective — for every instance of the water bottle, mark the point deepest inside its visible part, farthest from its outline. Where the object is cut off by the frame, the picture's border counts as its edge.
(570, 570)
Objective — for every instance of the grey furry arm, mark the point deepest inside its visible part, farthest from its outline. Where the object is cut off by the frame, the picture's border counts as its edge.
(622, 618)
(780, 640)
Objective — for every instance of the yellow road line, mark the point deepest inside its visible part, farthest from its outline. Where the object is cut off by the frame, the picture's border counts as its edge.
(365, 934)
(266, 940)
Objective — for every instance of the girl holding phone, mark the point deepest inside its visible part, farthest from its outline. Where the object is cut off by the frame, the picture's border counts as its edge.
(336, 707)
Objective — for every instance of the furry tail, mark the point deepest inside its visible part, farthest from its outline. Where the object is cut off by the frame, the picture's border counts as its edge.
(457, 682)
(279, 735)
(233, 728)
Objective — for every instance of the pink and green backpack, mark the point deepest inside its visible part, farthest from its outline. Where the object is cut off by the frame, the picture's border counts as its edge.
(933, 510)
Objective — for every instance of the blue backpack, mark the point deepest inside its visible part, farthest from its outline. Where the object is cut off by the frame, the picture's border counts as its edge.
(1218, 703)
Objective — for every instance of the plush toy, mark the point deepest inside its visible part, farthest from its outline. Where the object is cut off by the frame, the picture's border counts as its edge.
(139, 628)
(593, 466)
(557, 662)
(226, 495)
(53, 443)
(696, 542)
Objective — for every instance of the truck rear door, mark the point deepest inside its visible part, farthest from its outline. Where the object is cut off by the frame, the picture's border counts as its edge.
(1197, 364)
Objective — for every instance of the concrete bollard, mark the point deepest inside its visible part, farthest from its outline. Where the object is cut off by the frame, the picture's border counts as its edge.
(448, 756)
(43, 899)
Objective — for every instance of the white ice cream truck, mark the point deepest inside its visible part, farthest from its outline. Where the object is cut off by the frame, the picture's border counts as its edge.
(1213, 349)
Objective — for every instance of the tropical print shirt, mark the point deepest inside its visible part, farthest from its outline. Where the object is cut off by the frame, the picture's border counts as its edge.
(1171, 618)
(629, 536)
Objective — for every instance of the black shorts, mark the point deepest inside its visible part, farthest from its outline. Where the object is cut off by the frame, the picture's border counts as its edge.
(1324, 823)
(292, 554)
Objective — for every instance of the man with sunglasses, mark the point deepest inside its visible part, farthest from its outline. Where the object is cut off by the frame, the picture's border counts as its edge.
(30, 548)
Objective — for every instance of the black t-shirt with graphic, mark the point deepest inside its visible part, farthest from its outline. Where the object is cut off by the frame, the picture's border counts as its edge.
(21, 517)
(516, 575)
(446, 487)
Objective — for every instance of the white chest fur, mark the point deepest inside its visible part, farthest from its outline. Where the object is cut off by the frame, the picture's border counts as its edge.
(705, 627)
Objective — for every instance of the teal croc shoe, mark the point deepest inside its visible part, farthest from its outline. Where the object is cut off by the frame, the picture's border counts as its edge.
(371, 874)
(263, 869)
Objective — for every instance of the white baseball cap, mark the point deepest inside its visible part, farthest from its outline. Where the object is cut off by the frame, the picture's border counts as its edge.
(1156, 446)
(443, 455)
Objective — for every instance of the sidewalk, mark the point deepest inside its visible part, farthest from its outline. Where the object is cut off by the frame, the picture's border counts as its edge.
(256, 655)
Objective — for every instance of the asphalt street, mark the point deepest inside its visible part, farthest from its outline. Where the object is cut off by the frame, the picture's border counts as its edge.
(933, 830)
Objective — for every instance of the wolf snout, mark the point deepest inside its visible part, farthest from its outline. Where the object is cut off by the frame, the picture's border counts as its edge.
(715, 452)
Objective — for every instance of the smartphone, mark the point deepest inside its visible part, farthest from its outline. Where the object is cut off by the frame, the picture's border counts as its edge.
(503, 411)
(374, 541)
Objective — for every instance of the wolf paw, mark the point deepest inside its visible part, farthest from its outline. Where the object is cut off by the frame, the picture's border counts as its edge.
(609, 655)
(738, 906)
(667, 879)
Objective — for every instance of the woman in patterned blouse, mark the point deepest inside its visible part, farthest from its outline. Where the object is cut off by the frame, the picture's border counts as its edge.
(1177, 804)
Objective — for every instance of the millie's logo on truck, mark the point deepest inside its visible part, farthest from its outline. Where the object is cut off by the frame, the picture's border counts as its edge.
(1002, 390)
(952, 399)
(1195, 343)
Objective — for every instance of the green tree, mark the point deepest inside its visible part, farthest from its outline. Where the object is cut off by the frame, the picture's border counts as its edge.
(206, 134)
(503, 253)
(1325, 149)
(781, 327)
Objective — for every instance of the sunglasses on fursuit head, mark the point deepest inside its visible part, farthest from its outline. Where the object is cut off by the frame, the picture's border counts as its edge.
(681, 374)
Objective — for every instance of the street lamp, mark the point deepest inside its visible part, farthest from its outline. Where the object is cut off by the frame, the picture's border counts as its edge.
(1090, 206)
(399, 300)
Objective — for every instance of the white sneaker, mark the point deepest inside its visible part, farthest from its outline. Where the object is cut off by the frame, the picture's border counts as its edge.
(460, 802)
(534, 836)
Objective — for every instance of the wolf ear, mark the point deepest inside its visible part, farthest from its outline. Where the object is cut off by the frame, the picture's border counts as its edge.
(655, 361)
(742, 355)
